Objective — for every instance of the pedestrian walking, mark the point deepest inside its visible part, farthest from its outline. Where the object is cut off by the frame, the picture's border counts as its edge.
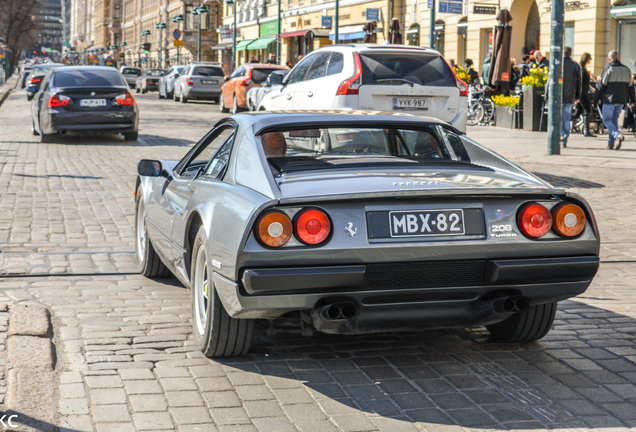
(585, 105)
(571, 92)
(271, 59)
(540, 60)
(615, 88)
(629, 122)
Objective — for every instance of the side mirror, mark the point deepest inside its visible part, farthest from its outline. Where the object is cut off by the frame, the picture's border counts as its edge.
(150, 168)
(275, 79)
(227, 78)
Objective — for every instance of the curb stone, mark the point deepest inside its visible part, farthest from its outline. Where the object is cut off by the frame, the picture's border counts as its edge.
(31, 380)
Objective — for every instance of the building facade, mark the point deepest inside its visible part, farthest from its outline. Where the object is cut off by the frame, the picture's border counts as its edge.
(121, 27)
(594, 26)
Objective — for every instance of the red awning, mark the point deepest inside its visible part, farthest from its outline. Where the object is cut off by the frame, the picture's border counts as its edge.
(294, 33)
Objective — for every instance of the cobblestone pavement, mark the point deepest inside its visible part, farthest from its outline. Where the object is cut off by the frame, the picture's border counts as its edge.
(124, 354)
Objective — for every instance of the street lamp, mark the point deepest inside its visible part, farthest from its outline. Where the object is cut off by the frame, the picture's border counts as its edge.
(176, 19)
(200, 11)
(160, 26)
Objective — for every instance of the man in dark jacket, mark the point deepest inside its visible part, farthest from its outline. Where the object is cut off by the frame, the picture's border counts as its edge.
(615, 88)
(571, 92)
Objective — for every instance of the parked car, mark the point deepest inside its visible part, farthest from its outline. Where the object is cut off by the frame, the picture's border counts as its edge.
(357, 223)
(25, 73)
(36, 76)
(255, 94)
(388, 78)
(130, 75)
(148, 80)
(245, 77)
(199, 81)
(165, 88)
(84, 99)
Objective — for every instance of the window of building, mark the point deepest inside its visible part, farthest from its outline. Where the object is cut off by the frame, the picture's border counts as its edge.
(568, 35)
(117, 11)
(205, 20)
(189, 18)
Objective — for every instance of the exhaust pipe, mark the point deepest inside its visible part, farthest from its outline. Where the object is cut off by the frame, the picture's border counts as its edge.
(510, 304)
(336, 311)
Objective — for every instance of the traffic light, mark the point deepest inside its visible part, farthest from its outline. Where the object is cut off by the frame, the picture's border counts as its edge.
(146, 47)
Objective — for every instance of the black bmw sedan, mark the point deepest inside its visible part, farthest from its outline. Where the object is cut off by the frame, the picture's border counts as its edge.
(84, 99)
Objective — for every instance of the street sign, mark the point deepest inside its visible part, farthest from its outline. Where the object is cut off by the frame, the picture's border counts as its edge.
(326, 21)
(177, 34)
(178, 42)
(451, 6)
(485, 10)
(373, 14)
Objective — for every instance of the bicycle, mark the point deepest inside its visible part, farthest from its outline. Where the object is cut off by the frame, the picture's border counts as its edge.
(480, 108)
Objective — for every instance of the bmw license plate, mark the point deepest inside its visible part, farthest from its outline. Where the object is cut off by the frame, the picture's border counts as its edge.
(93, 102)
(410, 103)
(209, 81)
(426, 223)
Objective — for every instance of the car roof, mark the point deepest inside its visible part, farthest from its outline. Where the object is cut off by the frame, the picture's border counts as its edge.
(90, 68)
(268, 120)
(264, 66)
(379, 47)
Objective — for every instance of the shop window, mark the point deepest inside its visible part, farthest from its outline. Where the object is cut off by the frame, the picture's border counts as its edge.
(439, 36)
(627, 43)
(568, 35)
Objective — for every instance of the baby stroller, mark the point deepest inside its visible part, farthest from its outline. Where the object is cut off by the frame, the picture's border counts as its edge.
(596, 116)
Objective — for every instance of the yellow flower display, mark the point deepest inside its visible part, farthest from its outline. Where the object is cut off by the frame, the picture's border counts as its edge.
(507, 101)
(537, 77)
(462, 74)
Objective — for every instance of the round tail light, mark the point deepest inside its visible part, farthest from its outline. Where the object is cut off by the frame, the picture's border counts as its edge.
(535, 220)
(274, 229)
(569, 220)
(312, 226)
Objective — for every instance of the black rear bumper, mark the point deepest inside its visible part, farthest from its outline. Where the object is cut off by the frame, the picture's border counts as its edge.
(434, 294)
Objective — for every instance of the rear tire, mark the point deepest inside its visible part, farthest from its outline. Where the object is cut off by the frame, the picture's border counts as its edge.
(170, 95)
(150, 265)
(222, 105)
(235, 107)
(131, 136)
(526, 326)
(216, 333)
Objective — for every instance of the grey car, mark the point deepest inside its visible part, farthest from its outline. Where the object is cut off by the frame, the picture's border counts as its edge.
(255, 94)
(199, 81)
(360, 222)
(166, 82)
(130, 75)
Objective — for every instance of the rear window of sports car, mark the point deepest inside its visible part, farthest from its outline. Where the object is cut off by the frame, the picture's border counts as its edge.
(84, 78)
(340, 147)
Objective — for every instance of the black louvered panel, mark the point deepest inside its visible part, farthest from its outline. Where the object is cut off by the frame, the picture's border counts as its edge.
(424, 274)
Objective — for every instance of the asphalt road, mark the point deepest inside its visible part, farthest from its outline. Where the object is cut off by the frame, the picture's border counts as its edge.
(124, 359)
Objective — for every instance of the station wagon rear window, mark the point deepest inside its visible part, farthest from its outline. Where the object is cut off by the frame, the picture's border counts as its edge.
(335, 147)
(428, 70)
(207, 71)
(131, 71)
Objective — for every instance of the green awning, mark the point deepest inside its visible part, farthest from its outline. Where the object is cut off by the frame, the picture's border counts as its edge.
(623, 11)
(261, 43)
(241, 45)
